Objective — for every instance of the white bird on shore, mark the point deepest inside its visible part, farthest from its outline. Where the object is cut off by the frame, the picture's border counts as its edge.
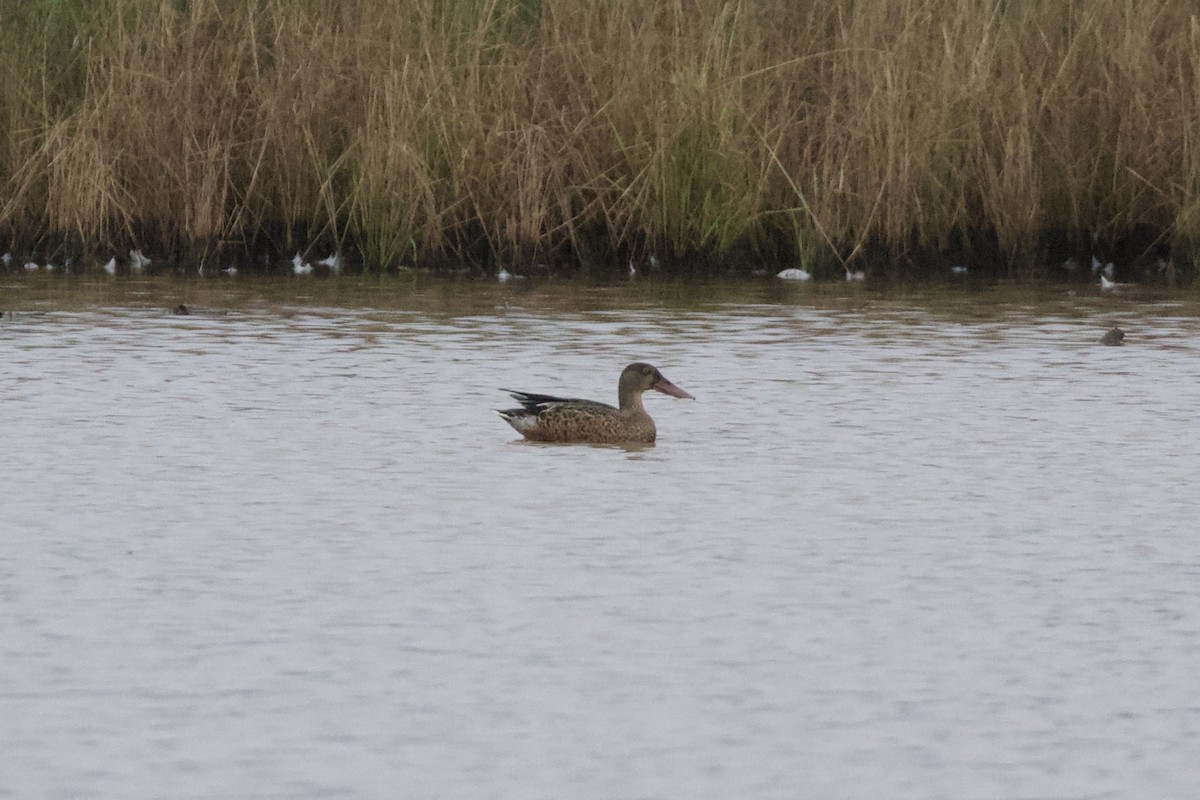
(793, 274)
(333, 262)
(1107, 285)
(111, 266)
(958, 269)
(504, 276)
(1107, 269)
(632, 269)
(30, 266)
(855, 276)
(230, 271)
(300, 266)
(137, 261)
(6, 259)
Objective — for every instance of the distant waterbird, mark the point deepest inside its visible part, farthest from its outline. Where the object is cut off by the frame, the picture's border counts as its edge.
(31, 266)
(300, 266)
(959, 270)
(1107, 285)
(110, 266)
(1113, 337)
(6, 259)
(1108, 270)
(137, 261)
(855, 276)
(793, 274)
(333, 262)
(546, 418)
(230, 271)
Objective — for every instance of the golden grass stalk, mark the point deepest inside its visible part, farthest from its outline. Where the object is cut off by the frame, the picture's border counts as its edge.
(534, 132)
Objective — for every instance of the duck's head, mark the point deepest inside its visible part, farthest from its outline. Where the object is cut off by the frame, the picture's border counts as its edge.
(639, 377)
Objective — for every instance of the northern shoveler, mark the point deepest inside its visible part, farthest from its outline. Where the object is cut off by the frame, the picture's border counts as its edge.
(544, 418)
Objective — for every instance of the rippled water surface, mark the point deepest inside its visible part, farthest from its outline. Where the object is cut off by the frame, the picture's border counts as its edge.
(899, 547)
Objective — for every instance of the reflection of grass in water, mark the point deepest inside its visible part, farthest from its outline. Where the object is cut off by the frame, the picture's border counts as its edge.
(525, 132)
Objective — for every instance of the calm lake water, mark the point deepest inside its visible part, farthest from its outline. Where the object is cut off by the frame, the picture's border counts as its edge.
(903, 545)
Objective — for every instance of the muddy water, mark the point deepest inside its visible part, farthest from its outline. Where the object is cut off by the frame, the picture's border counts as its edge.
(901, 546)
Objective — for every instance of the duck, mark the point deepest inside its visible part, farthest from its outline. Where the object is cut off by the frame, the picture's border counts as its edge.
(545, 418)
(1113, 337)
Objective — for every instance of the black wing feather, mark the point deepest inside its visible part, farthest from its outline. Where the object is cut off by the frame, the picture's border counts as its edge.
(532, 402)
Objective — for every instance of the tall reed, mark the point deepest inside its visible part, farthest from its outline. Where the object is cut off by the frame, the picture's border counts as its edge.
(565, 133)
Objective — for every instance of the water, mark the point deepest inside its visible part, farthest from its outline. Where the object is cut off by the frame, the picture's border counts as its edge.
(899, 547)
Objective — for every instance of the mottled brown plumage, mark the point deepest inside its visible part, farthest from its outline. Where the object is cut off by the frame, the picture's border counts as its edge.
(545, 418)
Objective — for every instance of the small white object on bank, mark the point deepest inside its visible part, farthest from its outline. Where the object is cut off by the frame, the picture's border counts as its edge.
(137, 261)
(333, 262)
(793, 274)
(300, 266)
(110, 266)
(1107, 269)
(855, 276)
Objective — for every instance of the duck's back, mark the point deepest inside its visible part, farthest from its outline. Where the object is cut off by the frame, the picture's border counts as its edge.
(543, 418)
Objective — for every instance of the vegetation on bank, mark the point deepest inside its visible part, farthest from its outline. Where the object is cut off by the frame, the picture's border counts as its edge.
(891, 134)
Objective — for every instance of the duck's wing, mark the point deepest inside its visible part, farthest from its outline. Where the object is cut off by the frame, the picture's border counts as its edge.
(531, 401)
(540, 403)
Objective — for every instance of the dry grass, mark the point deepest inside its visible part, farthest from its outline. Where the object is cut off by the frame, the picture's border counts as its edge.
(558, 132)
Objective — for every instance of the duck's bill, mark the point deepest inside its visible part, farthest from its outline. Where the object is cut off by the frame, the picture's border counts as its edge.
(666, 387)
